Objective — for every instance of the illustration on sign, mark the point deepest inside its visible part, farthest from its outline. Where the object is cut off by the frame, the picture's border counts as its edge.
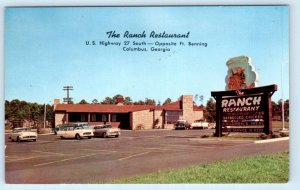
(241, 74)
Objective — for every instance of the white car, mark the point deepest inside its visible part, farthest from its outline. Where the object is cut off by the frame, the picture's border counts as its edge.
(106, 131)
(77, 132)
(23, 134)
(201, 124)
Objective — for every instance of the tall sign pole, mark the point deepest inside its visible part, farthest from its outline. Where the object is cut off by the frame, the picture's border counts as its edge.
(282, 103)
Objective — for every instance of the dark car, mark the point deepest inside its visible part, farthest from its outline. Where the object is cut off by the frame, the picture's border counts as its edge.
(181, 124)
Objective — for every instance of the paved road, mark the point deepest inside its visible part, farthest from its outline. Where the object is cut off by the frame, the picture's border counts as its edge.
(52, 160)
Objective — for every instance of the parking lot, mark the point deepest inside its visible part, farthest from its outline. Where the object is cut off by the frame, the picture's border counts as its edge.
(53, 160)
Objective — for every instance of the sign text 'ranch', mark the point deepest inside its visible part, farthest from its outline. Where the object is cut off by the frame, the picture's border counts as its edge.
(241, 104)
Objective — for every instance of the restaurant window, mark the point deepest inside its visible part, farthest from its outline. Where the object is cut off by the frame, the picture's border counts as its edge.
(83, 117)
(104, 117)
(113, 117)
(172, 116)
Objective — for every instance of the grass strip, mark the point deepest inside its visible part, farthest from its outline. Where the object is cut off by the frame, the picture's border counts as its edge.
(273, 168)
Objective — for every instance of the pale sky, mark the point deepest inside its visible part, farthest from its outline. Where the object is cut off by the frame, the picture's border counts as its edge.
(45, 49)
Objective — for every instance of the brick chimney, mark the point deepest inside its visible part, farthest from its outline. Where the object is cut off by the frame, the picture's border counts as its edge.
(56, 101)
(120, 101)
(187, 107)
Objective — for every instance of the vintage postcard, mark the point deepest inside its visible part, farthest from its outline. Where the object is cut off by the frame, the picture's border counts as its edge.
(146, 95)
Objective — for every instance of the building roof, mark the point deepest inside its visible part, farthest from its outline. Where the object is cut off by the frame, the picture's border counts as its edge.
(176, 106)
(113, 108)
(105, 108)
(197, 108)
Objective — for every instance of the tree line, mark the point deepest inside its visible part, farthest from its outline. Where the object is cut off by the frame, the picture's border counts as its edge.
(18, 112)
(277, 109)
(127, 101)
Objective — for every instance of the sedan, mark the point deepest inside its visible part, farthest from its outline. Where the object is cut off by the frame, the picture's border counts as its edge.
(76, 132)
(106, 131)
(23, 134)
(200, 124)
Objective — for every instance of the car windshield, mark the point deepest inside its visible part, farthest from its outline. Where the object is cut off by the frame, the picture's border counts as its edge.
(99, 127)
(88, 127)
(62, 126)
(17, 130)
(79, 127)
(80, 124)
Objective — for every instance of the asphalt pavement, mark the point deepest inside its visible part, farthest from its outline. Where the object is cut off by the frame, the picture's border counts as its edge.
(52, 160)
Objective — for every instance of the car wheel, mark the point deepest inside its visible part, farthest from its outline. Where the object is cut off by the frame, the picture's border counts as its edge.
(34, 140)
(117, 136)
(104, 135)
(89, 137)
(77, 136)
(61, 137)
(18, 139)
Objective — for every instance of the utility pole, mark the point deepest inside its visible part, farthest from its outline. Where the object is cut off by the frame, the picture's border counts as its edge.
(68, 99)
(45, 111)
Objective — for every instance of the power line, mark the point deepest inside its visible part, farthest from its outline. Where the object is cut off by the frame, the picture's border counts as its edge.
(68, 99)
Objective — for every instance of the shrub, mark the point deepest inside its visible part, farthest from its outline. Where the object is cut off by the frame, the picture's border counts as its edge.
(156, 121)
(284, 134)
(263, 136)
(275, 135)
(140, 127)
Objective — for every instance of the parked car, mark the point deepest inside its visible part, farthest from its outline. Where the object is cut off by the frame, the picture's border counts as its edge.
(73, 131)
(200, 124)
(106, 131)
(59, 127)
(54, 130)
(23, 134)
(182, 124)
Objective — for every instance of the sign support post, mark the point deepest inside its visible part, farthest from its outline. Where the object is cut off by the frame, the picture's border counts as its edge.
(218, 117)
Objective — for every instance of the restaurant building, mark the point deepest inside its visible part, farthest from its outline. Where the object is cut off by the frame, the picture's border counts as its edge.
(130, 117)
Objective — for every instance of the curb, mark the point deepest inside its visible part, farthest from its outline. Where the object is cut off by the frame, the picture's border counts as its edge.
(148, 130)
(272, 140)
(221, 140)
(46, 134)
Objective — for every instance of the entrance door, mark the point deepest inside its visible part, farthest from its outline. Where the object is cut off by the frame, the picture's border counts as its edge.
(123, 118)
